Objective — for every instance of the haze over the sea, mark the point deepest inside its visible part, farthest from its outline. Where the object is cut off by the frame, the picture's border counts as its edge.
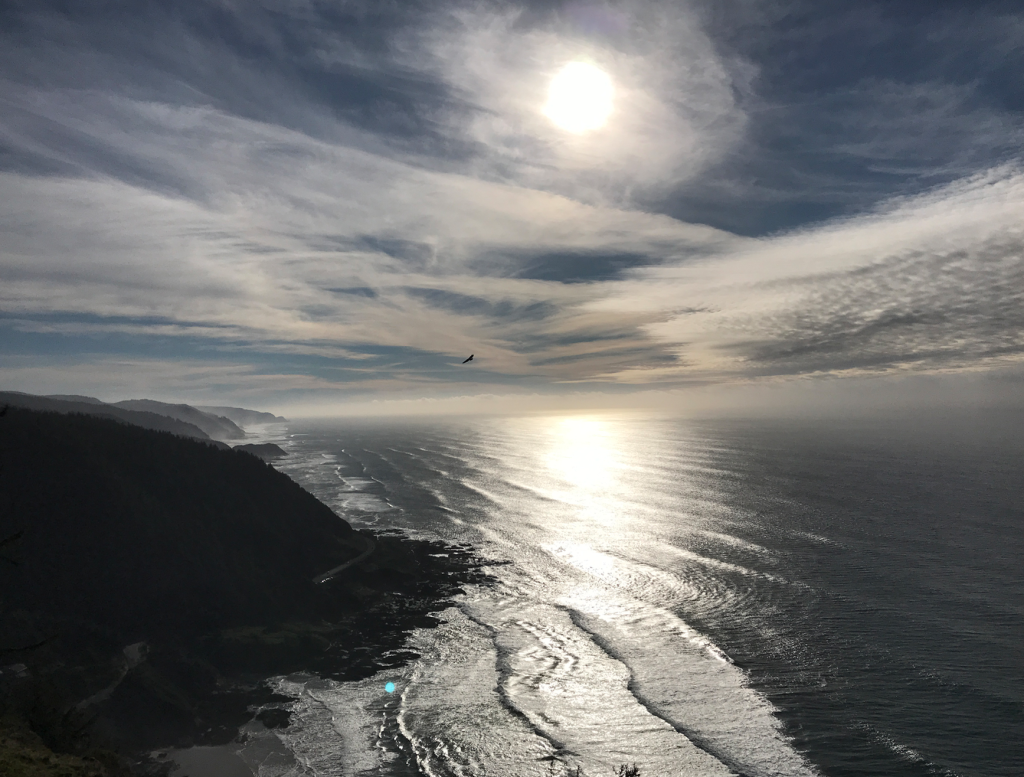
(316, 207)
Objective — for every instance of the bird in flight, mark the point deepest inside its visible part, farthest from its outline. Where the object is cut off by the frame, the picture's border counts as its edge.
(469, 359)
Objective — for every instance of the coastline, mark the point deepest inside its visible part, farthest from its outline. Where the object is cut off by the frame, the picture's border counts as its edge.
(371, 641)
(163, 583)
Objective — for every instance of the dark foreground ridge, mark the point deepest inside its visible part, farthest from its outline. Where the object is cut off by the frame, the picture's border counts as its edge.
(149, 584)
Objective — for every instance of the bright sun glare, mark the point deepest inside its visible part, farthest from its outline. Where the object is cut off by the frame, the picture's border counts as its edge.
(580, 97)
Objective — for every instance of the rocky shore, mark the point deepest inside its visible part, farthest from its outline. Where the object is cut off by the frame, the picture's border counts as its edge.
(151, 585)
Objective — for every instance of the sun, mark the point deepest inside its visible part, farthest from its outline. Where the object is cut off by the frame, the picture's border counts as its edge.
(580, 97)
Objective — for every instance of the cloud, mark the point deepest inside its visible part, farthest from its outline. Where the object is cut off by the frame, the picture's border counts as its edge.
(266, 263)
(113, 379)
(850, 104)
(932, 281)
(352, 197)
(674, 107)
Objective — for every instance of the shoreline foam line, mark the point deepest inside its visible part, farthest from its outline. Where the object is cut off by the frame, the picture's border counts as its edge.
(695, 738)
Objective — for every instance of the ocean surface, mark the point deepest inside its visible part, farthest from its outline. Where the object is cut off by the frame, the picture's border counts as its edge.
(698, 598)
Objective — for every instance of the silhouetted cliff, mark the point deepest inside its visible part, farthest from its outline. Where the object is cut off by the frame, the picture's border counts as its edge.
(93, 407)
(264, 450)
(148, 582)
(132, 527)
(216, 426)
(242, 416)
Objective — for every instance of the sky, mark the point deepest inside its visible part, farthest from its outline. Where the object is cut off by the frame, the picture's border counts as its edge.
(323, 206)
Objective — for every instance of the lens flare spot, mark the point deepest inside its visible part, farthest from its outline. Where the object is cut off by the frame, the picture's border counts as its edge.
(390, 687)
(580, 98)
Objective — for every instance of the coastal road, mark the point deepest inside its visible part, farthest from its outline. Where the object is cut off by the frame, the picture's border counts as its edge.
(370, 547)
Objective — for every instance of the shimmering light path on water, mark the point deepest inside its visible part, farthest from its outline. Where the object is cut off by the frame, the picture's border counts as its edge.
(765, 599)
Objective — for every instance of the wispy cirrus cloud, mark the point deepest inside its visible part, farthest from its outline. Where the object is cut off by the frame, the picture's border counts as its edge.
(439, 258)
(931, 281)
(352, 196)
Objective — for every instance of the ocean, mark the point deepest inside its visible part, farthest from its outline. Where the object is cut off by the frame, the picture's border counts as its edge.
(695, 598)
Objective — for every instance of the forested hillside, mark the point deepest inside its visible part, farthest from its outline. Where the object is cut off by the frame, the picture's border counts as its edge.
(148, 582)
(216, 426)
(137, 528)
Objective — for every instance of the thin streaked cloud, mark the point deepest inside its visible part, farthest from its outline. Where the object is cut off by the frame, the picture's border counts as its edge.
(304, 202)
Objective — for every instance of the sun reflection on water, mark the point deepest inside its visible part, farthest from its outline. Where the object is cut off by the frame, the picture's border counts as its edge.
(596, 473)
(585, 462)
(584, 453)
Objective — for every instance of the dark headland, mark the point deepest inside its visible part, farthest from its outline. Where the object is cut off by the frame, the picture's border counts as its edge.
(264, 450)
(150, 582)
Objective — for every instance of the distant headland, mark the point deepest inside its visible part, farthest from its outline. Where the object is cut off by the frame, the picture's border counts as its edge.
(220, 424)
